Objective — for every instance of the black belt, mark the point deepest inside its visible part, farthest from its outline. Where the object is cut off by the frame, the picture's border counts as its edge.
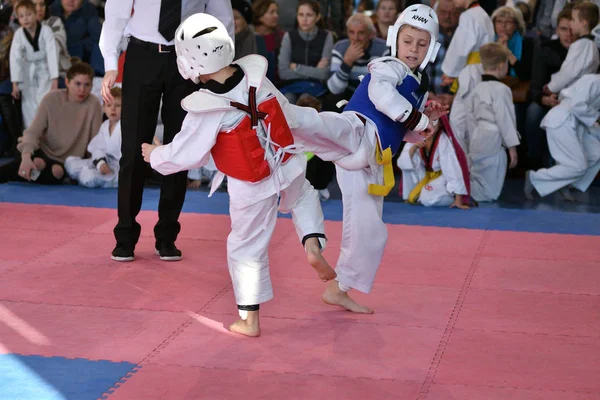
(160, 48)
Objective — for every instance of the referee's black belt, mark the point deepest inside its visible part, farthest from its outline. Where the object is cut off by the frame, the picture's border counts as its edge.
(159, 48)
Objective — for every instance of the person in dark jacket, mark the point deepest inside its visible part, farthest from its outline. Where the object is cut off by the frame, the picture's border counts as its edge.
(548, 58)
(83, 27)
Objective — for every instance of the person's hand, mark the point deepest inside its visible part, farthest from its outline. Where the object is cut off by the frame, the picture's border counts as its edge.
(458, 203)
(26, 166)
(353, 53)
(416, 147)
(323, 63)
(512, 152)
(503, 40)
(550, 101)
(147, 149)
(435, 110)
(293, 66)
(16, 93)
(546, 91)
(447, 80)
(54, 85)
(110, 77)
(105, 169)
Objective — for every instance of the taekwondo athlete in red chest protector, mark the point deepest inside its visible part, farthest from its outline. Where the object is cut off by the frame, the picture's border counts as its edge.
(237, 117)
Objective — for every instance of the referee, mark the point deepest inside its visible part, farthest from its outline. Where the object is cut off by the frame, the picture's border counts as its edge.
(150, 72)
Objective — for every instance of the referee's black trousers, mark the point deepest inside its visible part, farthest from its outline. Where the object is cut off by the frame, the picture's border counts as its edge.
(149, 75)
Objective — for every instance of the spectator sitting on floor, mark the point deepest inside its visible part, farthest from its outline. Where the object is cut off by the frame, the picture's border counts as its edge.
(102, 168)
(66, 121)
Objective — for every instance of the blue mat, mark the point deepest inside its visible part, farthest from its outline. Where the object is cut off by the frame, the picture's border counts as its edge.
(56, 378)
(487, 216)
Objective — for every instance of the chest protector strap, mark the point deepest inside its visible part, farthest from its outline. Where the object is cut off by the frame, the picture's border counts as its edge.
(238, 152)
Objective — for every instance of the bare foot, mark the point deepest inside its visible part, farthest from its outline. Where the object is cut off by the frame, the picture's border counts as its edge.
(194, 184)
(567, 194)
(317, 261)
(528, 189)
(248, 327)
(335, 297)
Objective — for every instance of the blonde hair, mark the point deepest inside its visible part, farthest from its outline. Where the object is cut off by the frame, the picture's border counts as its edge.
(361, 18)
(513, 13)
(492, 55)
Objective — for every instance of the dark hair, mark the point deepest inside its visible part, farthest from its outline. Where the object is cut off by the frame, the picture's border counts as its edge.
(588, 12)
(307, 100)
(316, 7)
(79, 67)
(564, 14)
(244, 8)
(28, 4)
(381, 1)
(259, 8)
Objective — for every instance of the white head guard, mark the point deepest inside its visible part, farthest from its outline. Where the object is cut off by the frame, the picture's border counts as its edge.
(422, 17)
(203, 46)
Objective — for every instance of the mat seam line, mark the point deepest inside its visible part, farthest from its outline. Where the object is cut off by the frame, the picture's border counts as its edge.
(437, 358)
(184, 325)
(111, 390)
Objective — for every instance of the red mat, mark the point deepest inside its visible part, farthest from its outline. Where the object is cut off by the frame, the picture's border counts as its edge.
(460, 314)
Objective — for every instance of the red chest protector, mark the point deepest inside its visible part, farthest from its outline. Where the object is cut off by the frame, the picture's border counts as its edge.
(238, 153)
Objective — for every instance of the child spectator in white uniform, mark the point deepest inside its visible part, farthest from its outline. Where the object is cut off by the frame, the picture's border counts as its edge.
(475, 28)
(574, 141)
(33, 61)
(582, 57)
(434, 171)
(491, 126)
(102, 168)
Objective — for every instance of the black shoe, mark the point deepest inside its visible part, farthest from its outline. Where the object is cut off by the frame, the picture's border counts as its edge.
(122, 254)
(168, 252)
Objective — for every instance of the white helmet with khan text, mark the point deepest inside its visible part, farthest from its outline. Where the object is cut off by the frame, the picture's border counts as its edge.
(203, 46)
(422, 17)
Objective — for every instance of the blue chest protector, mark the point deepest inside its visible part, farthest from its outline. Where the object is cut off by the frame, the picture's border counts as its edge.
(390, 133)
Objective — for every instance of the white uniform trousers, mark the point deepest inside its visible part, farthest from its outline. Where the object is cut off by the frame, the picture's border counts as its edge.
(577, 156)
(251, 231)
(487, 175)
(84, 171)
(434, 194)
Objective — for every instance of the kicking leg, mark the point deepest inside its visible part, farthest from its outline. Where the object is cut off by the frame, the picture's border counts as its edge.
(302, 200)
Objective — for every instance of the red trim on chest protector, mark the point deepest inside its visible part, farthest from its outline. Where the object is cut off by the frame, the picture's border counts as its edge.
(238, 153)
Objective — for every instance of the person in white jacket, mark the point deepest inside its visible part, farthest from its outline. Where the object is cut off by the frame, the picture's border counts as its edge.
(435, 172)
(242, 121)
(583, 56)
(33, 61)
(574, 141)
(491, 126)
(102, 168)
